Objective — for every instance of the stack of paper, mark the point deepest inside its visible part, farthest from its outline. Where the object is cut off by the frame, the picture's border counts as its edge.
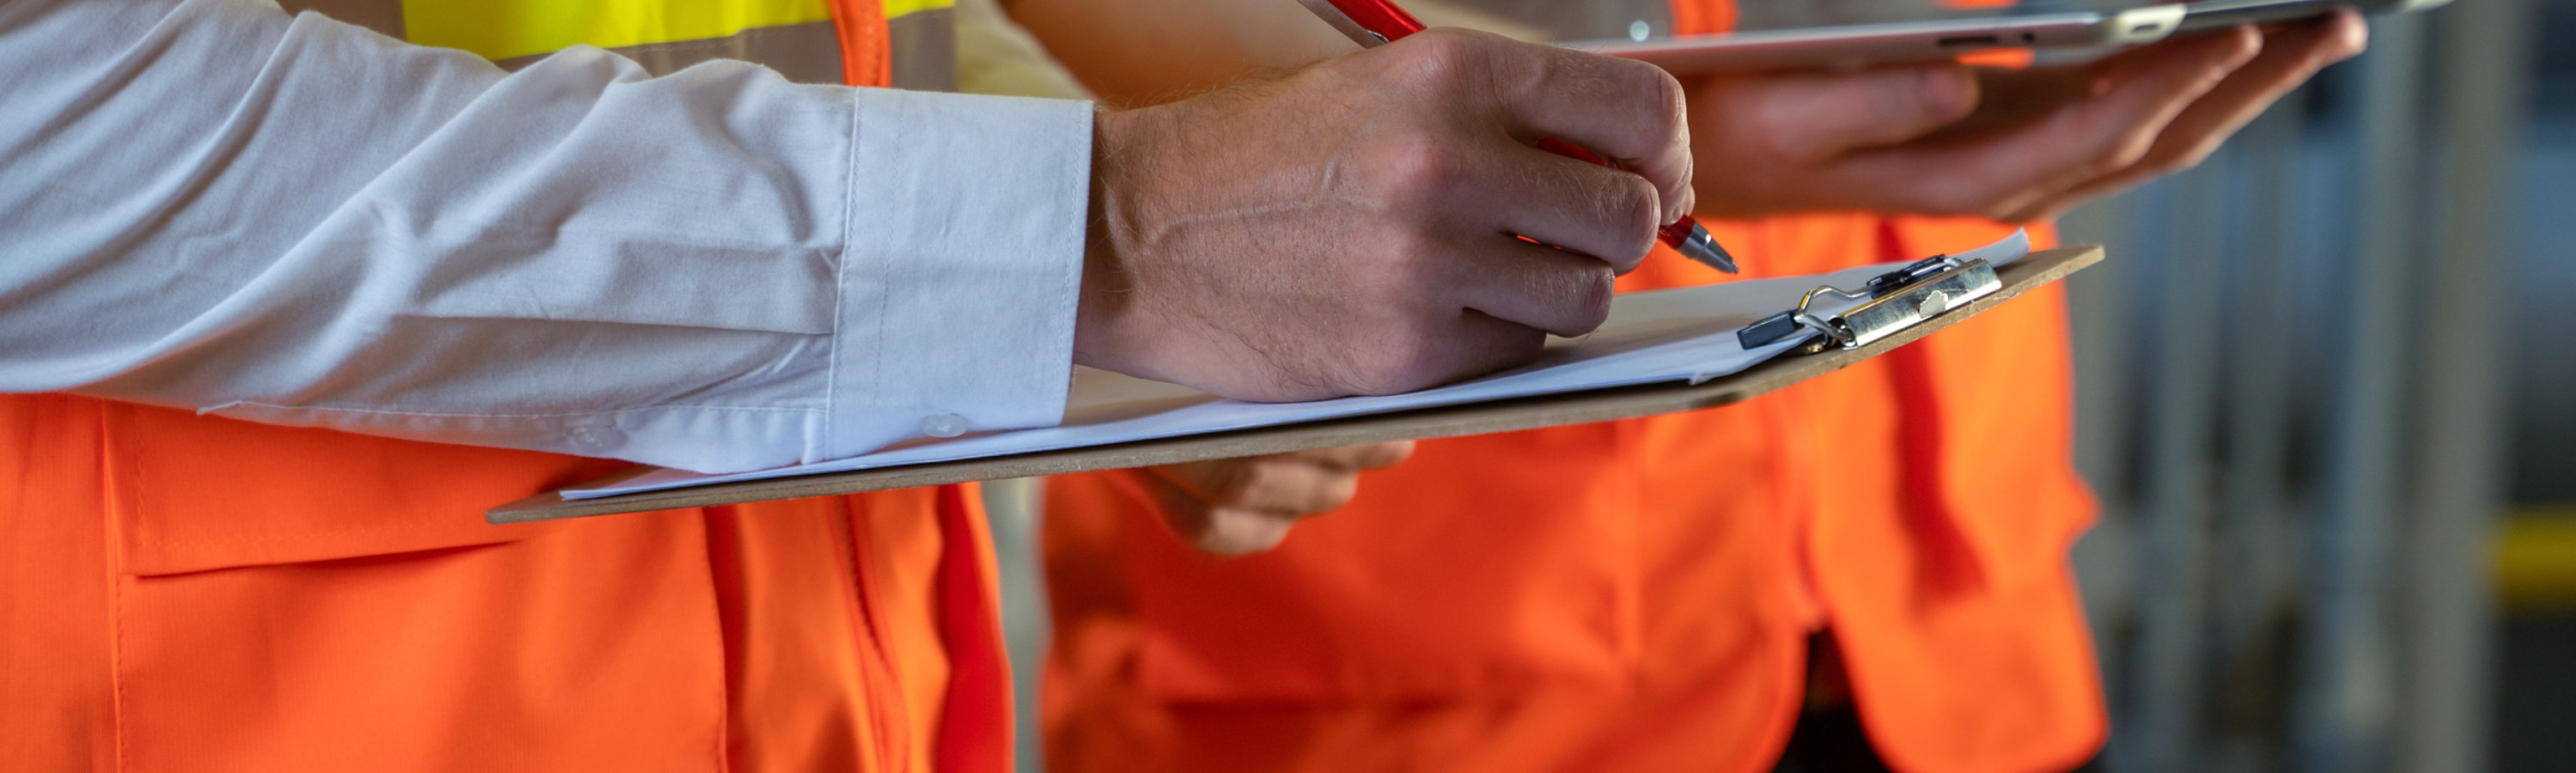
(1685, 334)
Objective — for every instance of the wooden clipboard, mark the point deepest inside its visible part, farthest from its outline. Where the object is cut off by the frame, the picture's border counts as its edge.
(2038, 268)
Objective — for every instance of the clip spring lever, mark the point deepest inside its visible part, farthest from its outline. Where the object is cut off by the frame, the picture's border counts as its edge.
(1890, 302)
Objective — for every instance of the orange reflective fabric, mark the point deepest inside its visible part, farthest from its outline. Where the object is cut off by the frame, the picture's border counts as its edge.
(863, 20)
(1627, 595)
(189, 593)
(1632, 595)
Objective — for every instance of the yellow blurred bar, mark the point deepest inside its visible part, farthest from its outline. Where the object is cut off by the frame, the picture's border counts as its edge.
(501, 29)
(2535, 559)
(895, 8)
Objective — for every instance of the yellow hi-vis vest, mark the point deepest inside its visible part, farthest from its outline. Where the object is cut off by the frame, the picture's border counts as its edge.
(907, 44)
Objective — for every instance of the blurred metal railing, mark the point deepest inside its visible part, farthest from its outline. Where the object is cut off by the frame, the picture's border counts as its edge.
(2290, 377)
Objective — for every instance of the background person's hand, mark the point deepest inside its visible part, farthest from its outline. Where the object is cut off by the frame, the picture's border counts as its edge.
(1348, 228)
(2008, 144)
(1237, 506)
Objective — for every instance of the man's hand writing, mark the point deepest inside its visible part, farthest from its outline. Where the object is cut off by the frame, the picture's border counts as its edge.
(1348, 228)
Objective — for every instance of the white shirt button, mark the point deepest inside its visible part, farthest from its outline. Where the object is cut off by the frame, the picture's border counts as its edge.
(943, 425)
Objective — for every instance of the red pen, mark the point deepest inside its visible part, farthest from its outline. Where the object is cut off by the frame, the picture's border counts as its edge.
(1378, 22)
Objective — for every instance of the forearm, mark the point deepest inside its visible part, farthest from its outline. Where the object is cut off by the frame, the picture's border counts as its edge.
(1143, 52)
(210, 205)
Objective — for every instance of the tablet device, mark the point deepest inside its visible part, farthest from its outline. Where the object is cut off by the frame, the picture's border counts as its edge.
(1779, 34)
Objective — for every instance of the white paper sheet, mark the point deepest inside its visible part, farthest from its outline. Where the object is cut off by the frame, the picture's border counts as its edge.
(1685, 334)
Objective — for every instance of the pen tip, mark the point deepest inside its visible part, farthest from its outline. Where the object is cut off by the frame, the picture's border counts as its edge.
(1704, 249)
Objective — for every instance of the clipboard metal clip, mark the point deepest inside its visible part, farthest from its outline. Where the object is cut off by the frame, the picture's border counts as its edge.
(1890, 302)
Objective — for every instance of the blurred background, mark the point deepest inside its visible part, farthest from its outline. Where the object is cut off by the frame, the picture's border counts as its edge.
(2327, 386)
(2328, 397)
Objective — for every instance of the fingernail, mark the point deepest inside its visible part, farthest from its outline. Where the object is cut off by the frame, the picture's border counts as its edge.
(2356, 33)
(2248, 44)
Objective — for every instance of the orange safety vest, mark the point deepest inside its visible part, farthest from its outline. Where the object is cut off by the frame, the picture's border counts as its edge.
(1633, 595)
(189, 593)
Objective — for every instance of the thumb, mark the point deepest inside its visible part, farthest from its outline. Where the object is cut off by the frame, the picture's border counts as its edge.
(1817, 115)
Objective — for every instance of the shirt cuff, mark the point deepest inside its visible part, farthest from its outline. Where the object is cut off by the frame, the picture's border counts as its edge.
(962, 268)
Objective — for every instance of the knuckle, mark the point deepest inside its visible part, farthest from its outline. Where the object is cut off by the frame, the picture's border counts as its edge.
(1440, 58)
(1637, 209)
(2121, 154)
(1651, 102)
(1670, 105)
(1588, 302)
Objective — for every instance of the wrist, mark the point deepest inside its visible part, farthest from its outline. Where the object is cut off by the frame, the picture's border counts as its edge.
(1105, 333)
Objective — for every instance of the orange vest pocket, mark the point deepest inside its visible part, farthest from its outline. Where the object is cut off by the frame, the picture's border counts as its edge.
(301, 599)
(192, 493)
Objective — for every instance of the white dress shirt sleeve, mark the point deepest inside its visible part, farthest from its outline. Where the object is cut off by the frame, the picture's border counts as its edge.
(210, 204)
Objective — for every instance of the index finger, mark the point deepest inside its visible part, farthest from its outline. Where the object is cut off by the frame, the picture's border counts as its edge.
(1356, 458)
(2289, 58)
(1628, 112)
(1998, 174)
